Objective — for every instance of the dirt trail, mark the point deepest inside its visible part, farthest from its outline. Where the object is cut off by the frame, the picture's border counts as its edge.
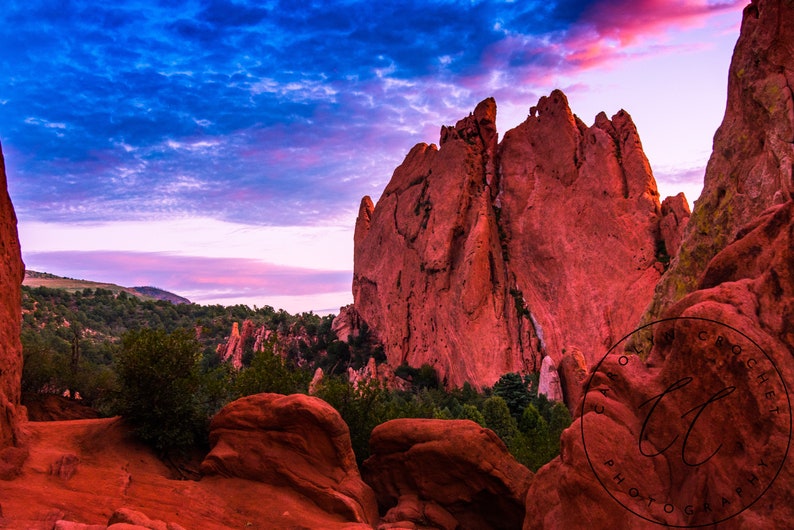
(84, 470)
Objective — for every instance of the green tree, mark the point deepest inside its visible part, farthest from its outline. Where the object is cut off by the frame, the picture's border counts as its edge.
(362, 408)
(161, 388)
(498, 419)
(470, 412)
(513, 388)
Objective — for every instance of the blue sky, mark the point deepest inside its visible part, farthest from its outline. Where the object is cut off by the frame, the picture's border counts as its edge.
(220, 148)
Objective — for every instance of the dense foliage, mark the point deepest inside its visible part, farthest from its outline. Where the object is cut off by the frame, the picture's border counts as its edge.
(157, 364)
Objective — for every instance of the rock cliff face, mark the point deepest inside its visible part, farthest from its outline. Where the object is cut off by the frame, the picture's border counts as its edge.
(481, 257)
(12, 271)
(750, 168)
(696, 430)
(727, 357)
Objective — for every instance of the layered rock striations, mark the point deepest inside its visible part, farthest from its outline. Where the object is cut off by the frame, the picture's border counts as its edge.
(12, 272)
(482, 257)
(751, 165)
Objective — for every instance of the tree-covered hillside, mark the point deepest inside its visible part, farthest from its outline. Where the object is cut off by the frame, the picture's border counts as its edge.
(160, 365)
(71, 339)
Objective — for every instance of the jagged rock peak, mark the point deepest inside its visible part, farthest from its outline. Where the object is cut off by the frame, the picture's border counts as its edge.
(456, 266)
(364, 219)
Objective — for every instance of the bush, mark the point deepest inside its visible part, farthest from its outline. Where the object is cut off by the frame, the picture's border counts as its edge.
(161, 388)
(362, 408)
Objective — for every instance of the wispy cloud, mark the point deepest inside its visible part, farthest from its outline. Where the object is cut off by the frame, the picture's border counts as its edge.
(276, 106)
(262, 113)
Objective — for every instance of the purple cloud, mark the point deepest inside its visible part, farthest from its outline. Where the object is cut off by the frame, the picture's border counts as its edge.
(190, 274)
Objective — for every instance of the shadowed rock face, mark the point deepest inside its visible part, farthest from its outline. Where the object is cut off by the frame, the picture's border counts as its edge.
(750, 168)
(481, 258)
(296, 441)
(12, 271)
(448, 473)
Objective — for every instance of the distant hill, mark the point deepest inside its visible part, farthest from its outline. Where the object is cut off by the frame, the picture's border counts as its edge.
(45, 279)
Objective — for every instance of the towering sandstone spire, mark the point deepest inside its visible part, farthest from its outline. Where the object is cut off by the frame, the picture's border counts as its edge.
(481, 257)
(732, 283)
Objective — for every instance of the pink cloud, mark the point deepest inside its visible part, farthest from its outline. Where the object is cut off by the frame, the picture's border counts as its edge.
(190, 274)
(627, 20)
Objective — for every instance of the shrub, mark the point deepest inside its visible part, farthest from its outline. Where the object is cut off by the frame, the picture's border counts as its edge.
(161, 388)
(362, 408)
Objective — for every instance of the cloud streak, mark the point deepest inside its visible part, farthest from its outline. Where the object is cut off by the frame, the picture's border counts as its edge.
(194, 276)
(264, 114)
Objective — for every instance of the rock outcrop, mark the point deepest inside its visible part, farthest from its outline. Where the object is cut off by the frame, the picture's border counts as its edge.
(12, 272)
(481, 257)
(751, 166)
(675, 216)
(117, 476)
(445, 474)
(689, 423)
(347, 324)
(294, 441)
(549, 380)
(703, 427)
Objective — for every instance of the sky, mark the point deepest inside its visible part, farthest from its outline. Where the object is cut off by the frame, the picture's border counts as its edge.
(219, 149)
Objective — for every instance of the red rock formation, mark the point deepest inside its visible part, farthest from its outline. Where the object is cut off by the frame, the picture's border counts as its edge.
(296, 441)
(675, 216)
(428, 261)
(581, 214)
(116, 471)
(232, 351)
(12, 273)
(704, 425)
(750, 168)
(135, 519)
(445, 473)
(347, 323)
(481, 258)
(748, 289)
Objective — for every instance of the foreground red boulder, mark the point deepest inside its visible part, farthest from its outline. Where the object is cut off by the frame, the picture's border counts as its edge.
(295, 441)
(445, 474)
